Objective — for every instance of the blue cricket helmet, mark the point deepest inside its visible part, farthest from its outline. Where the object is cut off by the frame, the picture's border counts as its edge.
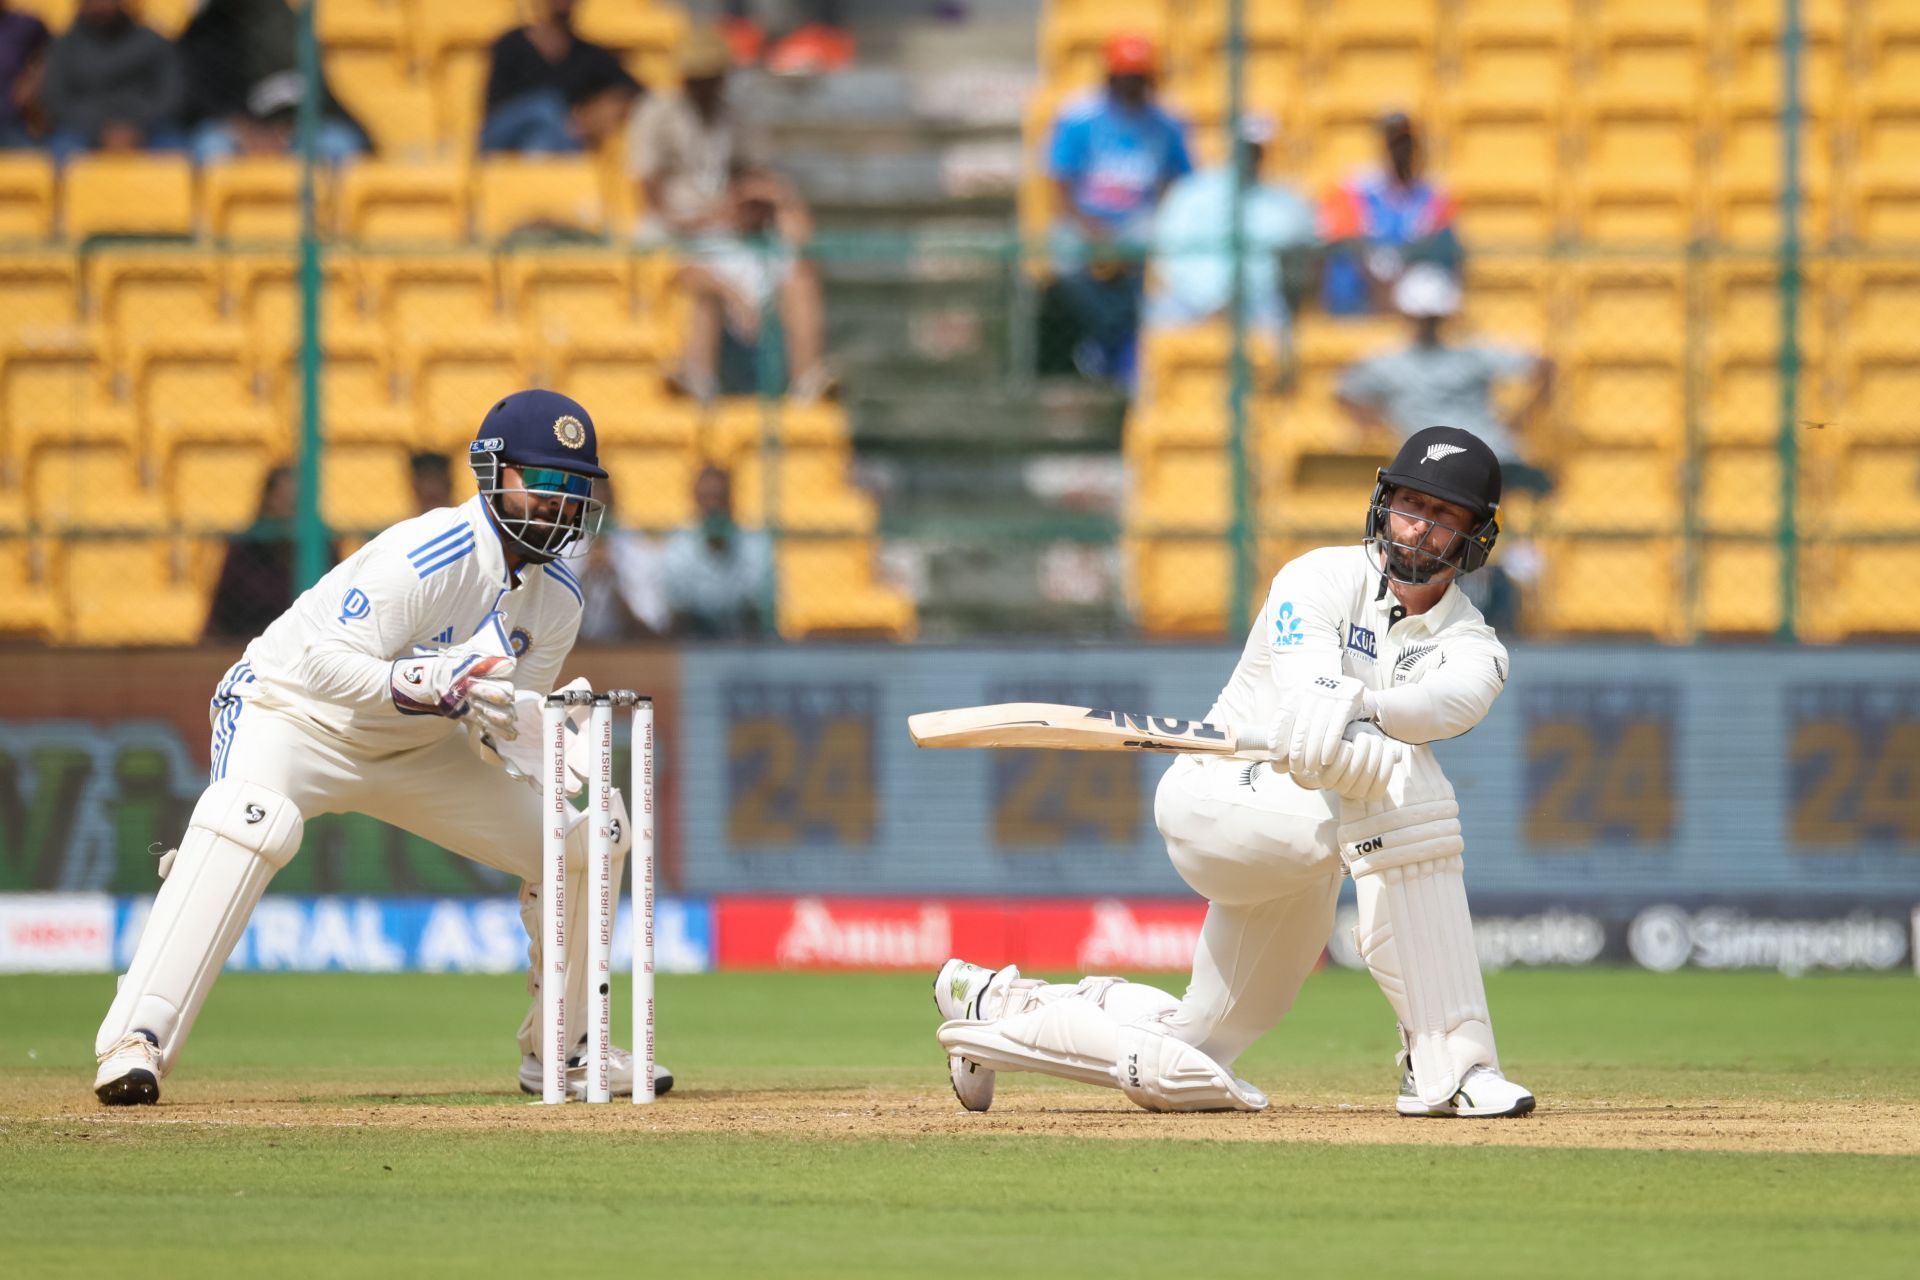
(539, 428)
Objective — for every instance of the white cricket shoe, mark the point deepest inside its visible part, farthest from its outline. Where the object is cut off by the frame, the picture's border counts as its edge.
(1484, 1094)
(960, 992)
(129, 1072)
(619, 1074)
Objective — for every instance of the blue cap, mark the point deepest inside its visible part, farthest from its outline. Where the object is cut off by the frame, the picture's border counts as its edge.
(541, 429)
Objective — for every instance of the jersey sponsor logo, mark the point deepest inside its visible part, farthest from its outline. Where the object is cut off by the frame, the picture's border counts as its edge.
(520, 641)
(1289, 629)
(1440, 452)
(1360, 640)
(355, 606)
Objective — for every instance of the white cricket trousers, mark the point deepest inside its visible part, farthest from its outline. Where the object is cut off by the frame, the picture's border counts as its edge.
(1263, 852)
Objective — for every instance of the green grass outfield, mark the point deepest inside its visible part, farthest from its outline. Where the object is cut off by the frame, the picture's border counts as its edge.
(1691, 1124)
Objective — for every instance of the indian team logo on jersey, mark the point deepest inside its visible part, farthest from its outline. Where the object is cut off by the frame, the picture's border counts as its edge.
(1288, 628)
(520, 641)
(570, 431)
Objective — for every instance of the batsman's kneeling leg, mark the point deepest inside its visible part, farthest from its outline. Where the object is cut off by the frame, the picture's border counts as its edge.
(1414, 930)
(239, 835)
(1076, 1039)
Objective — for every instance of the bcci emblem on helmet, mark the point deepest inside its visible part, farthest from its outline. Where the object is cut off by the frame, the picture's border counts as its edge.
(569, 431)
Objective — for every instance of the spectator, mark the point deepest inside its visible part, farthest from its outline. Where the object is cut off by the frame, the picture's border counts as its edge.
(23, 50)
(821, 44)
(1111, 158)
(256, 578)
(1192, 267)
(1432, 381)
(1380, 221)
(625, 599)
(431, 478)
(111, 84)
(701, 169)
(539, 76)
(717, 576)
(241, 63)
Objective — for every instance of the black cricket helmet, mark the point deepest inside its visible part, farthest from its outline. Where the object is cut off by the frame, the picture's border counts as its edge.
(1455, 466)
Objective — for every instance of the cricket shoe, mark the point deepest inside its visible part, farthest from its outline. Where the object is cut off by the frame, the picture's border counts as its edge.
(619, 1074)
(1484, 1094)
(965, 992)
(129, 1072)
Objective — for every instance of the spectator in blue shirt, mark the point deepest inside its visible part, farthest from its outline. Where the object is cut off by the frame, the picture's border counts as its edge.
(1192, 270)
(1378, 221)
(1111, 158)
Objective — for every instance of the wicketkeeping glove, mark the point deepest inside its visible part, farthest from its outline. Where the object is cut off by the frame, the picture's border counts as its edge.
(453, 682)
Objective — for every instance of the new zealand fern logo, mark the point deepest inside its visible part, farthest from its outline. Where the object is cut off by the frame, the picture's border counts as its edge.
(1287, 626)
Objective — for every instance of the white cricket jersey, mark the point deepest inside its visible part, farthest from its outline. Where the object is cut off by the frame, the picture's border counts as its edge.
(429, 582)
(1330, 612)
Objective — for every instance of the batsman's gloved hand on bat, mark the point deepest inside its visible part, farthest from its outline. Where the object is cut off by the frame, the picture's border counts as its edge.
(1364, 767)
(455, 682)
(1313, 726)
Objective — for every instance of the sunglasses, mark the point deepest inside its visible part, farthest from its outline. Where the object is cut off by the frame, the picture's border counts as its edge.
(553, 480)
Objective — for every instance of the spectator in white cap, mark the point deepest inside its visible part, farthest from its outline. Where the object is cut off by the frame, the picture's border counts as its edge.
(1191, 276)
(1432, 381)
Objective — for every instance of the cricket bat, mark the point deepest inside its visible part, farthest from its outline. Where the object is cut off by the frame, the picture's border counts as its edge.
(1047, 724)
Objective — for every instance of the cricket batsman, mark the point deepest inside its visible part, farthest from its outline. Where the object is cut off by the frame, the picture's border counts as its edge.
(398, 686)
(1362, 656)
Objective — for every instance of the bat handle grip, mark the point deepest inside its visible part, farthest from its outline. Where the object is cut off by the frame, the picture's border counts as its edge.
(1251, 746)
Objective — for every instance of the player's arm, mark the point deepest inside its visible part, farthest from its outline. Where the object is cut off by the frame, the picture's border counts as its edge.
(1447, 700)
(1301, 619)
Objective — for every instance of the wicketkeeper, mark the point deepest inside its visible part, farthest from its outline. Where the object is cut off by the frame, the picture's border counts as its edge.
(1362, 655)
(355, 699)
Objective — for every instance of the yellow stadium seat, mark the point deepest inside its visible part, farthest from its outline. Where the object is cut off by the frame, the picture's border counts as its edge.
(1649, 53)
(425, 295)
(214, 485)
(1849, 598)
(1638, 174)
(1180, 585)
(1072, 37)
(1737, 588)
(362, 24)
(1628, 306)
(1322, 494)
(1512, 299)
(653, 484)
(1372, 58)
(130, 591)
(1505, 172)
(400, 112)
(141, 294)
(826, 585)
(442, 26)
(558, 293)
(1743, 309)
(632, 27)
(364, 486)
(1871, 477)
(149, 195)
(42, 297)
(26, 584)
(1885, 188)
(187, 371)
(457, 375)
(1609, 586)
(513, 193)
(1627, 400)
(168, 17)
(26, 196)
(1740, 401)
(618, 375)
(812, 491)
(257, 199)
(1882, 397)
(55, 393)
(1513, 58)
(1882, 300)
(1739, 490)
(357, 397)
(1610, 491)
(743, 423)
(1180, 491)
(1744, 193)
(384, 201)
(96, 485)
(1167, 423)
(263, 293)
(459, 83)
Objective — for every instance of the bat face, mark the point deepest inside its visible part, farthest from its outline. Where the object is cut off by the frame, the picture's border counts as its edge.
(1160, 733)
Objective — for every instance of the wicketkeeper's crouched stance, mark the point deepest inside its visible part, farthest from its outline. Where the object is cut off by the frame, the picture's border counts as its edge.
(1361, 656)
(353, 701)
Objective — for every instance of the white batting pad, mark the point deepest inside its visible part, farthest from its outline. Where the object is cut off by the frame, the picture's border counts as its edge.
(239, 835)
(1076, 1039)
(1414, 929)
